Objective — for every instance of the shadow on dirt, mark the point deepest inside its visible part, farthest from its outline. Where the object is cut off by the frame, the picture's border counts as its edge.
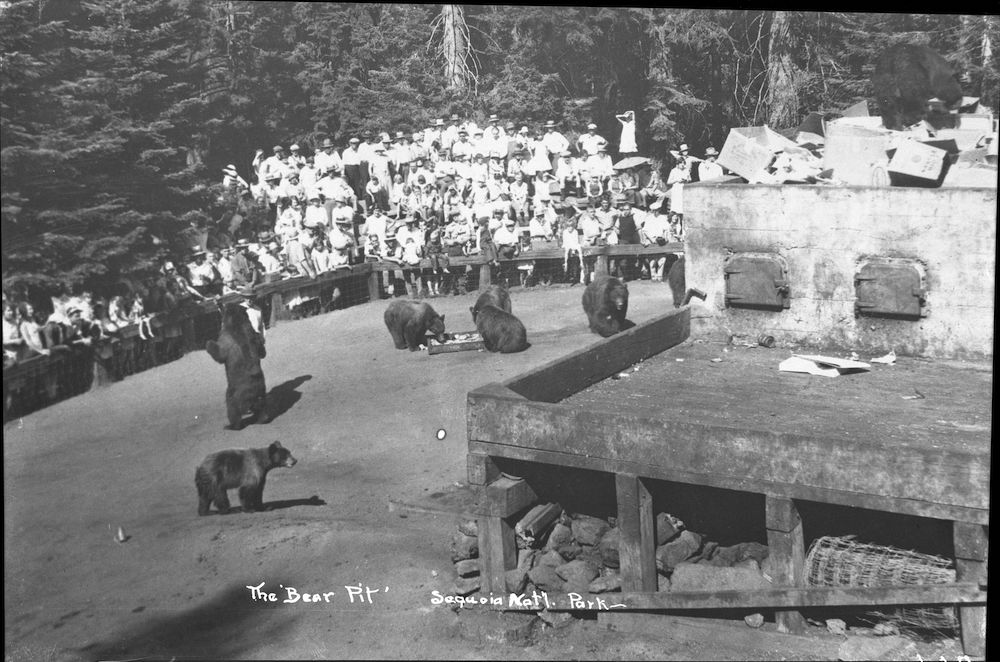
(228, 626)
(283, 397)
(292, 503)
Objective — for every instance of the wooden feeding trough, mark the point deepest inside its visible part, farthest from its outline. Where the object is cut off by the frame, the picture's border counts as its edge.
(456, 342)
(740, 424)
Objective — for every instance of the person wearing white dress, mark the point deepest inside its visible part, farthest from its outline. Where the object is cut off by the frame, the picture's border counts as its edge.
(627, 143)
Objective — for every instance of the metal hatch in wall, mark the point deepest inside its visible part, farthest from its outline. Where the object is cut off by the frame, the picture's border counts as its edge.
(757, 280)
(890, 287)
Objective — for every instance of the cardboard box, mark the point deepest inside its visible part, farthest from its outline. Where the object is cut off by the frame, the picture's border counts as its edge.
(857, 155)
(865, 122)
(469, 340)
(965, 139)
(917, 160)
(979, 122)
(860, 109)
(976, 176)
(750, 150)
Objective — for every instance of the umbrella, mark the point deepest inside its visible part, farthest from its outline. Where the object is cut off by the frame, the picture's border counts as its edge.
(631, 162)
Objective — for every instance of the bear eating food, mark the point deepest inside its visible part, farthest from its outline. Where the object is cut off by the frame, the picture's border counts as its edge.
(240, 348)
(245, 469)
(606, 303)
(906, 76)
(501, 331)
(494, 295)
(410, 321)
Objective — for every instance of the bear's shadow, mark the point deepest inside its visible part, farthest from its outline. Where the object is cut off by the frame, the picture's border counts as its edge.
(276, 505)
(283, 397)
(627, 324)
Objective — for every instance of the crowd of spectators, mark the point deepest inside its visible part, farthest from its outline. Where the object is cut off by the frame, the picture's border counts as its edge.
(452, 189)
(412, 200)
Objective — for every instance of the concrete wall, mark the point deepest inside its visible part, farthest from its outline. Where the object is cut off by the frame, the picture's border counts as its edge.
(824, 233)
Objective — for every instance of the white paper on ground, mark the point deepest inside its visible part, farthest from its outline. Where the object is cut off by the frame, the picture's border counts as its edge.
(888, 359)
(825, 366)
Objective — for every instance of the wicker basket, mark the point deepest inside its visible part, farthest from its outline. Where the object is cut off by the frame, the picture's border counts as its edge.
(842, 561)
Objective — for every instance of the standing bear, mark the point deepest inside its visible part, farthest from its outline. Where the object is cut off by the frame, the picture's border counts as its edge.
(501, 331)
(238, 468)
(240, 348)
(494, 295)
(606, 303)
(410, 321)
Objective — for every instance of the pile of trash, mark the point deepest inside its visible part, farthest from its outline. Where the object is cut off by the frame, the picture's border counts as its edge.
(853, 148)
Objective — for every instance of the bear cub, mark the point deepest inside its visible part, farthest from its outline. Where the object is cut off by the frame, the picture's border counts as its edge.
(606, 303)
(410, 321)
(501, 331)
(494, 295)
(245, 469)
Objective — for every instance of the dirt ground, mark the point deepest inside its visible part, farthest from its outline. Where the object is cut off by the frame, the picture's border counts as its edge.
(362, 420)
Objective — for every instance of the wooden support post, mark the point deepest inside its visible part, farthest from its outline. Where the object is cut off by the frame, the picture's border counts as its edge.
(497, 553)
(278, 310)
(374, 288)
(637, 548)
(787, 554)
(485, 276)
(499, 501)
(601, 265)
(189, 335)
(971, 553)
(482, 469)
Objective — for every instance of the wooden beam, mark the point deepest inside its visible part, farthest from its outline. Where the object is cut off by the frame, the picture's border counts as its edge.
(726, 455)
(485, 276)
(919, 507)
(481, 469)
(505, 497)
(558, 379)
(971, 555)
(776, 598)
(786, 555)
(637, 545)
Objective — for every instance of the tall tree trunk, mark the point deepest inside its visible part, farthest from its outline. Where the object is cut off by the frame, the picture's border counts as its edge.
(782, 97)
(455, 45)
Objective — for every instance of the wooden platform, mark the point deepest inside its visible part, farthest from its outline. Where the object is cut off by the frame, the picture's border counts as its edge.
(740, 424)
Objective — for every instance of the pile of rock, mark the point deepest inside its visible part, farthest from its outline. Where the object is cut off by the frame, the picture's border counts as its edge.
(465, 556)
(580, 554)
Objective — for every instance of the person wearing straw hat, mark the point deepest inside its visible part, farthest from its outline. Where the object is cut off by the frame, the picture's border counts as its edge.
(588, 142)
(295, 159)
(351, 163)
(462, 147)
(274, 165)
(251, 304)
(708, 169)
(601, 165)
(342, 242)
(327, 156)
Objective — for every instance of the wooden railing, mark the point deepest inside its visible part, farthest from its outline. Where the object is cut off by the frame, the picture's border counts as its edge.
(39, 381)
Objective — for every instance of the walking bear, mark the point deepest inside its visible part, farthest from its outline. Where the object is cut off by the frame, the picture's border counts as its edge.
(245, 469)
(501, 331)
(906, 76)
(493, 295)
(410, 321)
(606, 303)
(240, 348)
